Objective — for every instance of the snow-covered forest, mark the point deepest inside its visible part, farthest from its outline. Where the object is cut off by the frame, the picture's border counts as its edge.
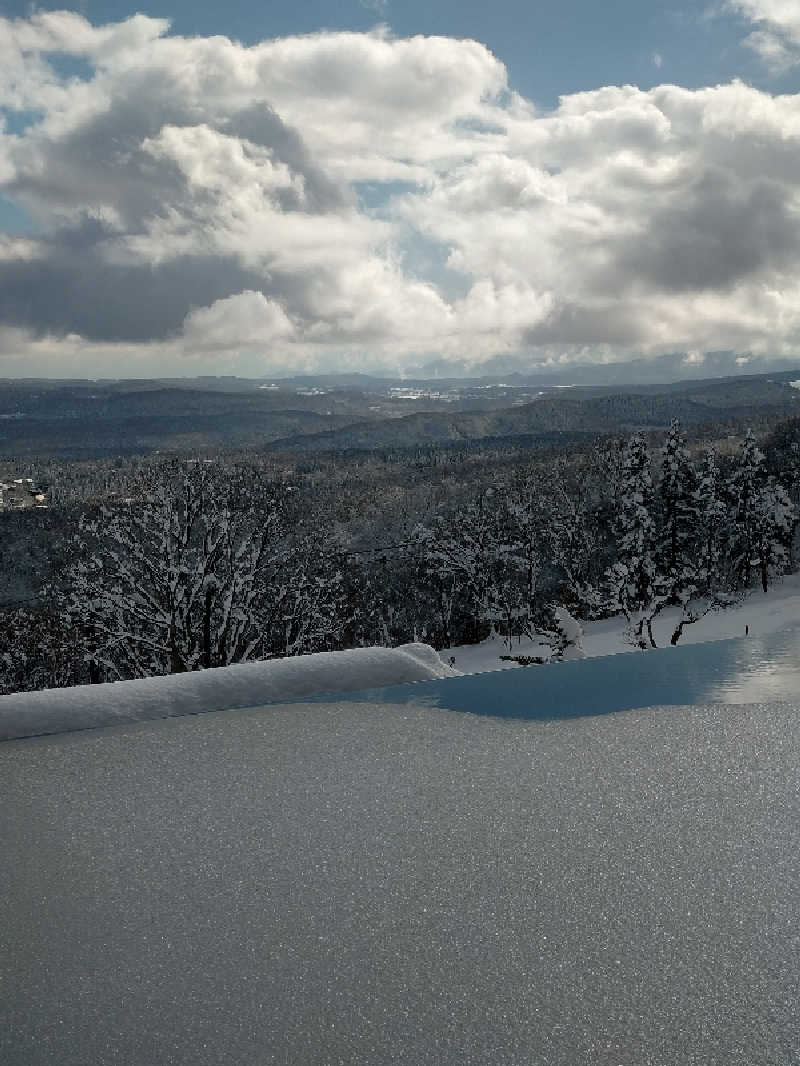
(156, 566)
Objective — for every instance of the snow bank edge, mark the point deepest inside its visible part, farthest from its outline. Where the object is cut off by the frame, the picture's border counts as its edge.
(50, 711)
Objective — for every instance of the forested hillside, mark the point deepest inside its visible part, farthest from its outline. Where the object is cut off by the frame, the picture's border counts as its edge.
(554, 414)
(151, 565)
(107, 419)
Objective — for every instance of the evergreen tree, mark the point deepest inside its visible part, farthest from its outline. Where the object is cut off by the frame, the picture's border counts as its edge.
(782, 451)
(711, 514)
(773, 528)
(745, 483)
(529, 518)
(631, 581)
(675, 555)
(764, 519)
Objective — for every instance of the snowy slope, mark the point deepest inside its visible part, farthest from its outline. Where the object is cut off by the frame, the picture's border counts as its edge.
(759, 614)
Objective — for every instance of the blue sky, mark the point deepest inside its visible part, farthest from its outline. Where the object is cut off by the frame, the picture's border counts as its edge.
(548, 48)
(218, 195)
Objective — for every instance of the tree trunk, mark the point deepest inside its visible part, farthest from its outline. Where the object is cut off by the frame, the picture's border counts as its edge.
(176, 661)
(209, 601)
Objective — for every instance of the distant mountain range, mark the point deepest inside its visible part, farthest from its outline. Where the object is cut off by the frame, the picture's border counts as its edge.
(673, 368)
(342, 412)
(579, 410)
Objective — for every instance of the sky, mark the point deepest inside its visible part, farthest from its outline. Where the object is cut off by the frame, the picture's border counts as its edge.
(417, 188)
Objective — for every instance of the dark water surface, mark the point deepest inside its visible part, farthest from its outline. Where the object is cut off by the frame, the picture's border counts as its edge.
(743, 670)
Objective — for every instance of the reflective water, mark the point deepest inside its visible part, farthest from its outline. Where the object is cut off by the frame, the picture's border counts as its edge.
(745, 670)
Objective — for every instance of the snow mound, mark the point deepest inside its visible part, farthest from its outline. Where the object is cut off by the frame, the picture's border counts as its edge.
(62, 710)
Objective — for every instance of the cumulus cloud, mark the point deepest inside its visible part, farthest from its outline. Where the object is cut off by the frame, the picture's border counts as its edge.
(199, 204)
(776, 38)
(246, 319)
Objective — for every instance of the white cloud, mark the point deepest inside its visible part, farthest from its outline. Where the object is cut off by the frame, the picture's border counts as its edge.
(198, 206)
(777, 36)
(248, 319)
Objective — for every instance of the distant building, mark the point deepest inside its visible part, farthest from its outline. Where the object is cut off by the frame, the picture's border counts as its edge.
(20, 494)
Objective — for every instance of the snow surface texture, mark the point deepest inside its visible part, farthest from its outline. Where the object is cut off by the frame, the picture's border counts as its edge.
(368, 885)
(26, 714)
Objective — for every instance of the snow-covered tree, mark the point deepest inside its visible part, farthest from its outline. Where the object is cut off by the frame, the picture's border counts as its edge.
(475, 553)
(782, 450)
(37, 651)
(528, 523)
(193, 574)
(309, 599)
(675, 551)
(772, 531)
(711, 515)
(763, 518)
(744, 486)
(631, 582)
(569, 642)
